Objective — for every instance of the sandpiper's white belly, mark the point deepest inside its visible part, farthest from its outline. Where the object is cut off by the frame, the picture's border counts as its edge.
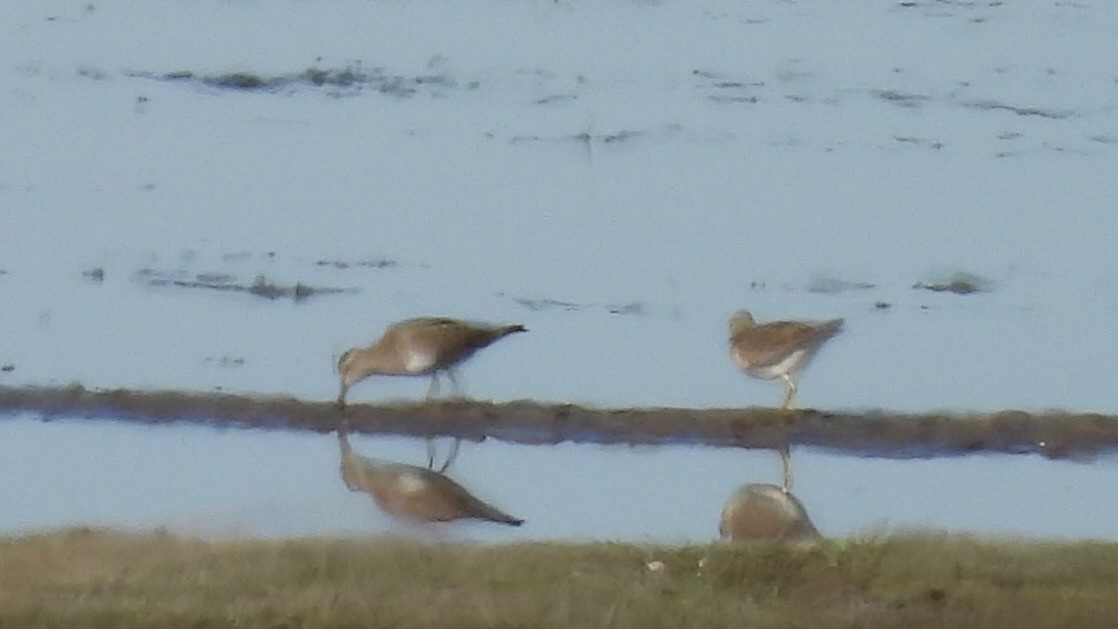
(419, 361)
(789, 364)
(410, 482)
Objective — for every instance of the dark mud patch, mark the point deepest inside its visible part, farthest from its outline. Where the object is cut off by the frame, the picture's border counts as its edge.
(261, 286)
(555, 98)
(728, 89)
(350, 78)
(1054, 435)
(381, 263)
(590, 138)
(918, 141)
(633, 308)
(907, 100)
(994, 105)
(957, 283)
(946, 8)
(546, 303)
(224, 362)
(832, 285)
(619, 137)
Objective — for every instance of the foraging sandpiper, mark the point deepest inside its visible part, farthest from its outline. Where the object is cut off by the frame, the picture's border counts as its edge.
(416, 347)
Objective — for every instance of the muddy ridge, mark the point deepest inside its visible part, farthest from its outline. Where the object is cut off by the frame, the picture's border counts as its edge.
(1052, 434)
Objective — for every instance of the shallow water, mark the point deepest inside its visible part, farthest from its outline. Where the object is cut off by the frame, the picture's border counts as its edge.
(620, 199)
(231, 483)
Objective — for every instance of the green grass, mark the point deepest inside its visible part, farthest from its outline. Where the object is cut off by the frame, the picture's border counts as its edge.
(98, 578)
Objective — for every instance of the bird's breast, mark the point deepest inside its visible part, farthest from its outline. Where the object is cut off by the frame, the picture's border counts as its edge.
(739, 358)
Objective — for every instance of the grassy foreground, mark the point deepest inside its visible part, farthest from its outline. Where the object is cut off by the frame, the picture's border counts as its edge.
(97, 578)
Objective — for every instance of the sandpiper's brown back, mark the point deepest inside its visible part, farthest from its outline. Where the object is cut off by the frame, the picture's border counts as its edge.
(449, 341)
(770, 343)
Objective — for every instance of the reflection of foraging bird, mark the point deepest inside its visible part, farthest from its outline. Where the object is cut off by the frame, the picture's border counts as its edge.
(414, 493)
(780, 349)
(417, 347)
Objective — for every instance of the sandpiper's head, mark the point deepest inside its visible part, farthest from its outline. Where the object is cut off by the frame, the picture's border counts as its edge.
(348, 373)
(740, 322)
(345, 360)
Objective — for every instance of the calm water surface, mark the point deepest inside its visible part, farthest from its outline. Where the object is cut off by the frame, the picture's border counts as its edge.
(229, 483)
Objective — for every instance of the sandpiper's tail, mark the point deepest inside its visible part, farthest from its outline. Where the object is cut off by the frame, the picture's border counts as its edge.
(510, 329)
(485, 511)
(830, 328)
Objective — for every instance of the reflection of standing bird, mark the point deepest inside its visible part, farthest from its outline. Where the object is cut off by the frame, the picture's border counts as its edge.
(780, 349)
(414, 493)
(416, 347)
(766, 512)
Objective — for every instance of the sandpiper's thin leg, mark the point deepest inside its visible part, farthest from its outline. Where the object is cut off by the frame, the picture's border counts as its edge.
(786, 468)
(430, 453)
(451, 456)
(454, 382)
(790, 397)
(433, 391)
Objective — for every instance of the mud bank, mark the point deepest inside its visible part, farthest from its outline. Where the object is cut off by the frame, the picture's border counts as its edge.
(883, 434)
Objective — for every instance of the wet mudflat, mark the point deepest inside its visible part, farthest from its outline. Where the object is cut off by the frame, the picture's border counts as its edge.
(895, 435)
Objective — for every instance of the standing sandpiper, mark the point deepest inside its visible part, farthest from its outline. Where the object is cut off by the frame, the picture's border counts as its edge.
(780, 349)
(418, 347)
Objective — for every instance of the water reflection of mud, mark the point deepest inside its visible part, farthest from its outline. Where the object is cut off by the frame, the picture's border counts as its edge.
(1054, 435)
(414, 493)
